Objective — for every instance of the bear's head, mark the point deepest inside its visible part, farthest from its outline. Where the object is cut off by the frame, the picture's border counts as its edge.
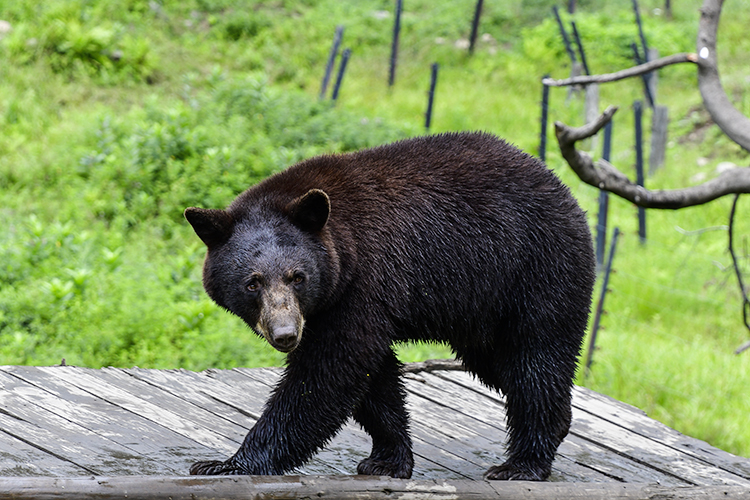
(266, 266)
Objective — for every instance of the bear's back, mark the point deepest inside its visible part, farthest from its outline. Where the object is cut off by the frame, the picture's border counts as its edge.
(435, 173)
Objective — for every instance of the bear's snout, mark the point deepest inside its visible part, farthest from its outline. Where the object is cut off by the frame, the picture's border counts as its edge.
(281, 321)
(284, 338)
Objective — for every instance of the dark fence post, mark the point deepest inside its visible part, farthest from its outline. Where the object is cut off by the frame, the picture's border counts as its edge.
(640, 30)
(644, 76)
(581, 53)
(431, 95)
(601, 226)
(638, 111)
(331, 59)
(394, 43)
(475, 26)
(545, 110)
(564, 34)
(646, 55)
(600, 305)
(344, 59)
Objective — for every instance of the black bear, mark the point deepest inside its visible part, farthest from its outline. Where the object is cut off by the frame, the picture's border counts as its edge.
(458, 238)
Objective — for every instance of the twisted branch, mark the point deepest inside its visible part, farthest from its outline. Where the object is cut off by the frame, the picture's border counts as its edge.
(603, 175)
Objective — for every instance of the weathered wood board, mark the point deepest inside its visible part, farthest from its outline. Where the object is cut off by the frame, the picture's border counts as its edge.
(67, 422)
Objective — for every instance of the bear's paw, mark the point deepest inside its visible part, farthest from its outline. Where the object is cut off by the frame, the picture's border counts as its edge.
(374, 467)
(215, 468)
(514, 472)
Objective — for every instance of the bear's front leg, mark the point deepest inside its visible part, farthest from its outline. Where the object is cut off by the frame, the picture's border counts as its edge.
(320, 388)
(382, 414)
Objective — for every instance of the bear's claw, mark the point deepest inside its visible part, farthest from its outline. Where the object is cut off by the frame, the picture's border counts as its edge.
(214, 468)
(373, 467)
(511, 472)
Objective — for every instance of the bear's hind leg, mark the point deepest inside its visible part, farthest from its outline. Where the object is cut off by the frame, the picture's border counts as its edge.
(537, 386)
(382, 414)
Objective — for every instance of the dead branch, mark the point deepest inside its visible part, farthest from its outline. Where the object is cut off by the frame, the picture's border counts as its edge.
(724, 114)
(625, 73)
(604, 175)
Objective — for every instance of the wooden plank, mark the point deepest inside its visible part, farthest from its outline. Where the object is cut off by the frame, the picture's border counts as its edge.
(611, 466)
(334, 488)
(430, 454)
(18, 458)
(467, 454)
(485, 405)
(181, 417)
(637, 421)
(481, 443)
(578, 460)
(659, 126)
(583, 452)
(68, 441)
(61, 443)
(240, 402)
(141, 437)
(635, 447)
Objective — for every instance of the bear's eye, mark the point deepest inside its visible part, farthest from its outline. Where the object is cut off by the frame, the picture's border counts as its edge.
(253, 286)
(298, 278)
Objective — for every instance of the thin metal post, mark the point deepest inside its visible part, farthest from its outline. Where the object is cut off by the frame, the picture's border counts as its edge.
(640, 30)
(475, 26)
(601, 226)
(581, 53)
(344, 59)
(394, 43)
(600, 305)
(331, 59)
(644, 78)
(545, 111)
(431, 95)
(564, 34)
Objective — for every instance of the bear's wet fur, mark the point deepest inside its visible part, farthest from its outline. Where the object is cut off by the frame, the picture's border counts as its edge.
(458, 238)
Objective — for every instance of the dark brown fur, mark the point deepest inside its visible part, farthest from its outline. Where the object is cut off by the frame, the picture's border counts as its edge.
(457, 238)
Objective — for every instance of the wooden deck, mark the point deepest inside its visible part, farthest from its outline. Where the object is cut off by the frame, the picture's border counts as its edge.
(69, 422)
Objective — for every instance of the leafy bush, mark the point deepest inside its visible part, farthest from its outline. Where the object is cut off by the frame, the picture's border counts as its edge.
(72, 41)
(205, 154)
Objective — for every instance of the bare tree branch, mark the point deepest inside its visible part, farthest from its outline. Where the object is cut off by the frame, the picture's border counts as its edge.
(604, 175)
(625, 73)
(724, 114)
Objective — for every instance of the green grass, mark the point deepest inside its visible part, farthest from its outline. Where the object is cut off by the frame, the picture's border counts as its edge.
(117, 114)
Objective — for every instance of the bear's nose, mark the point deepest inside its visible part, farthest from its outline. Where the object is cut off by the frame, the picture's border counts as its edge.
(285, 338)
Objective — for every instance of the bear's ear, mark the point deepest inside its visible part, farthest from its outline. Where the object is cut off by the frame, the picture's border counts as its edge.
(310, 211)
(213, 226)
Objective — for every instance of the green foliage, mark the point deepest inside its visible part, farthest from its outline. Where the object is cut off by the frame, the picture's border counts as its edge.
(207, 152)
(74, 41)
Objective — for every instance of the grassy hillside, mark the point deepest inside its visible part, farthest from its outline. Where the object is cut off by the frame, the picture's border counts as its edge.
(115, 115)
